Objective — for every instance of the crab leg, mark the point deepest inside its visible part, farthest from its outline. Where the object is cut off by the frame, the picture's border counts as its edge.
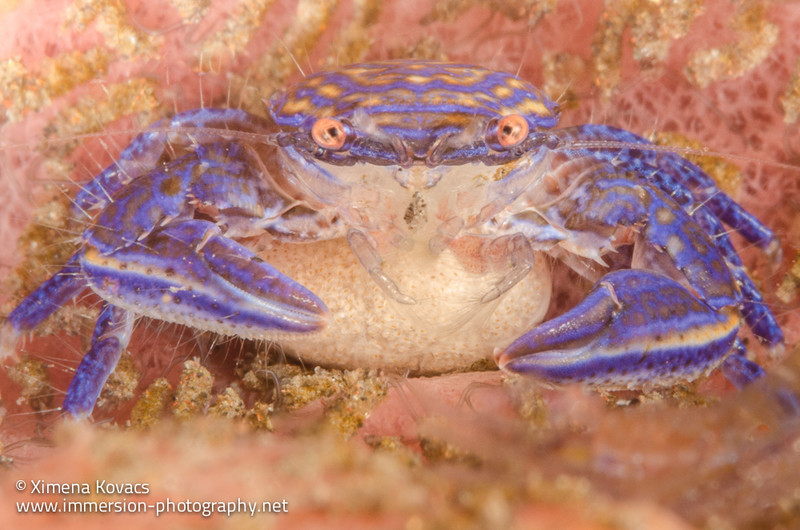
(685, 177)
(633, 327)
(49, 296)
(740, 370)
(606, 198)
(144, 151)
(111, 335)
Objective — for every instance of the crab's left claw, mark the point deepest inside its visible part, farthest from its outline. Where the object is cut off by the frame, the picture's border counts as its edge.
(634, 327)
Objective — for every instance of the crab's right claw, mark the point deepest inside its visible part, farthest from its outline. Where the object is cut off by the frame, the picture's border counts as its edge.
(189, 273)
(633, 329)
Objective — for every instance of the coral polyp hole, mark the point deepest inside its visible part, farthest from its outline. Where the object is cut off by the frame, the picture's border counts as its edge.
(329, 133)
(512, 130)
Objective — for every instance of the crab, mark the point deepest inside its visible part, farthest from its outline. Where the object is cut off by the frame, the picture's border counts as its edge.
(405, 215)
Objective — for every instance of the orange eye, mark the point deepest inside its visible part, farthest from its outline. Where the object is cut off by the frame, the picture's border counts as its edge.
(329, 133)
(511, 130)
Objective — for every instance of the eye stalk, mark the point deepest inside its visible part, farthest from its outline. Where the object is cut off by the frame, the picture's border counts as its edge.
(329, 133)
(511, 130)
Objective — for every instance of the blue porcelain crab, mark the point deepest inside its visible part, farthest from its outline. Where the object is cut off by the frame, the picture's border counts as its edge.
(398, 215)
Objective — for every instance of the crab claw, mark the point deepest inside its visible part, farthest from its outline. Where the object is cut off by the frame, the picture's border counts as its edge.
(189, 273)
(634, 328)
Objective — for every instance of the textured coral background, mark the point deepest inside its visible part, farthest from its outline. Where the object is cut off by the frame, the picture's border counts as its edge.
(509, 456)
